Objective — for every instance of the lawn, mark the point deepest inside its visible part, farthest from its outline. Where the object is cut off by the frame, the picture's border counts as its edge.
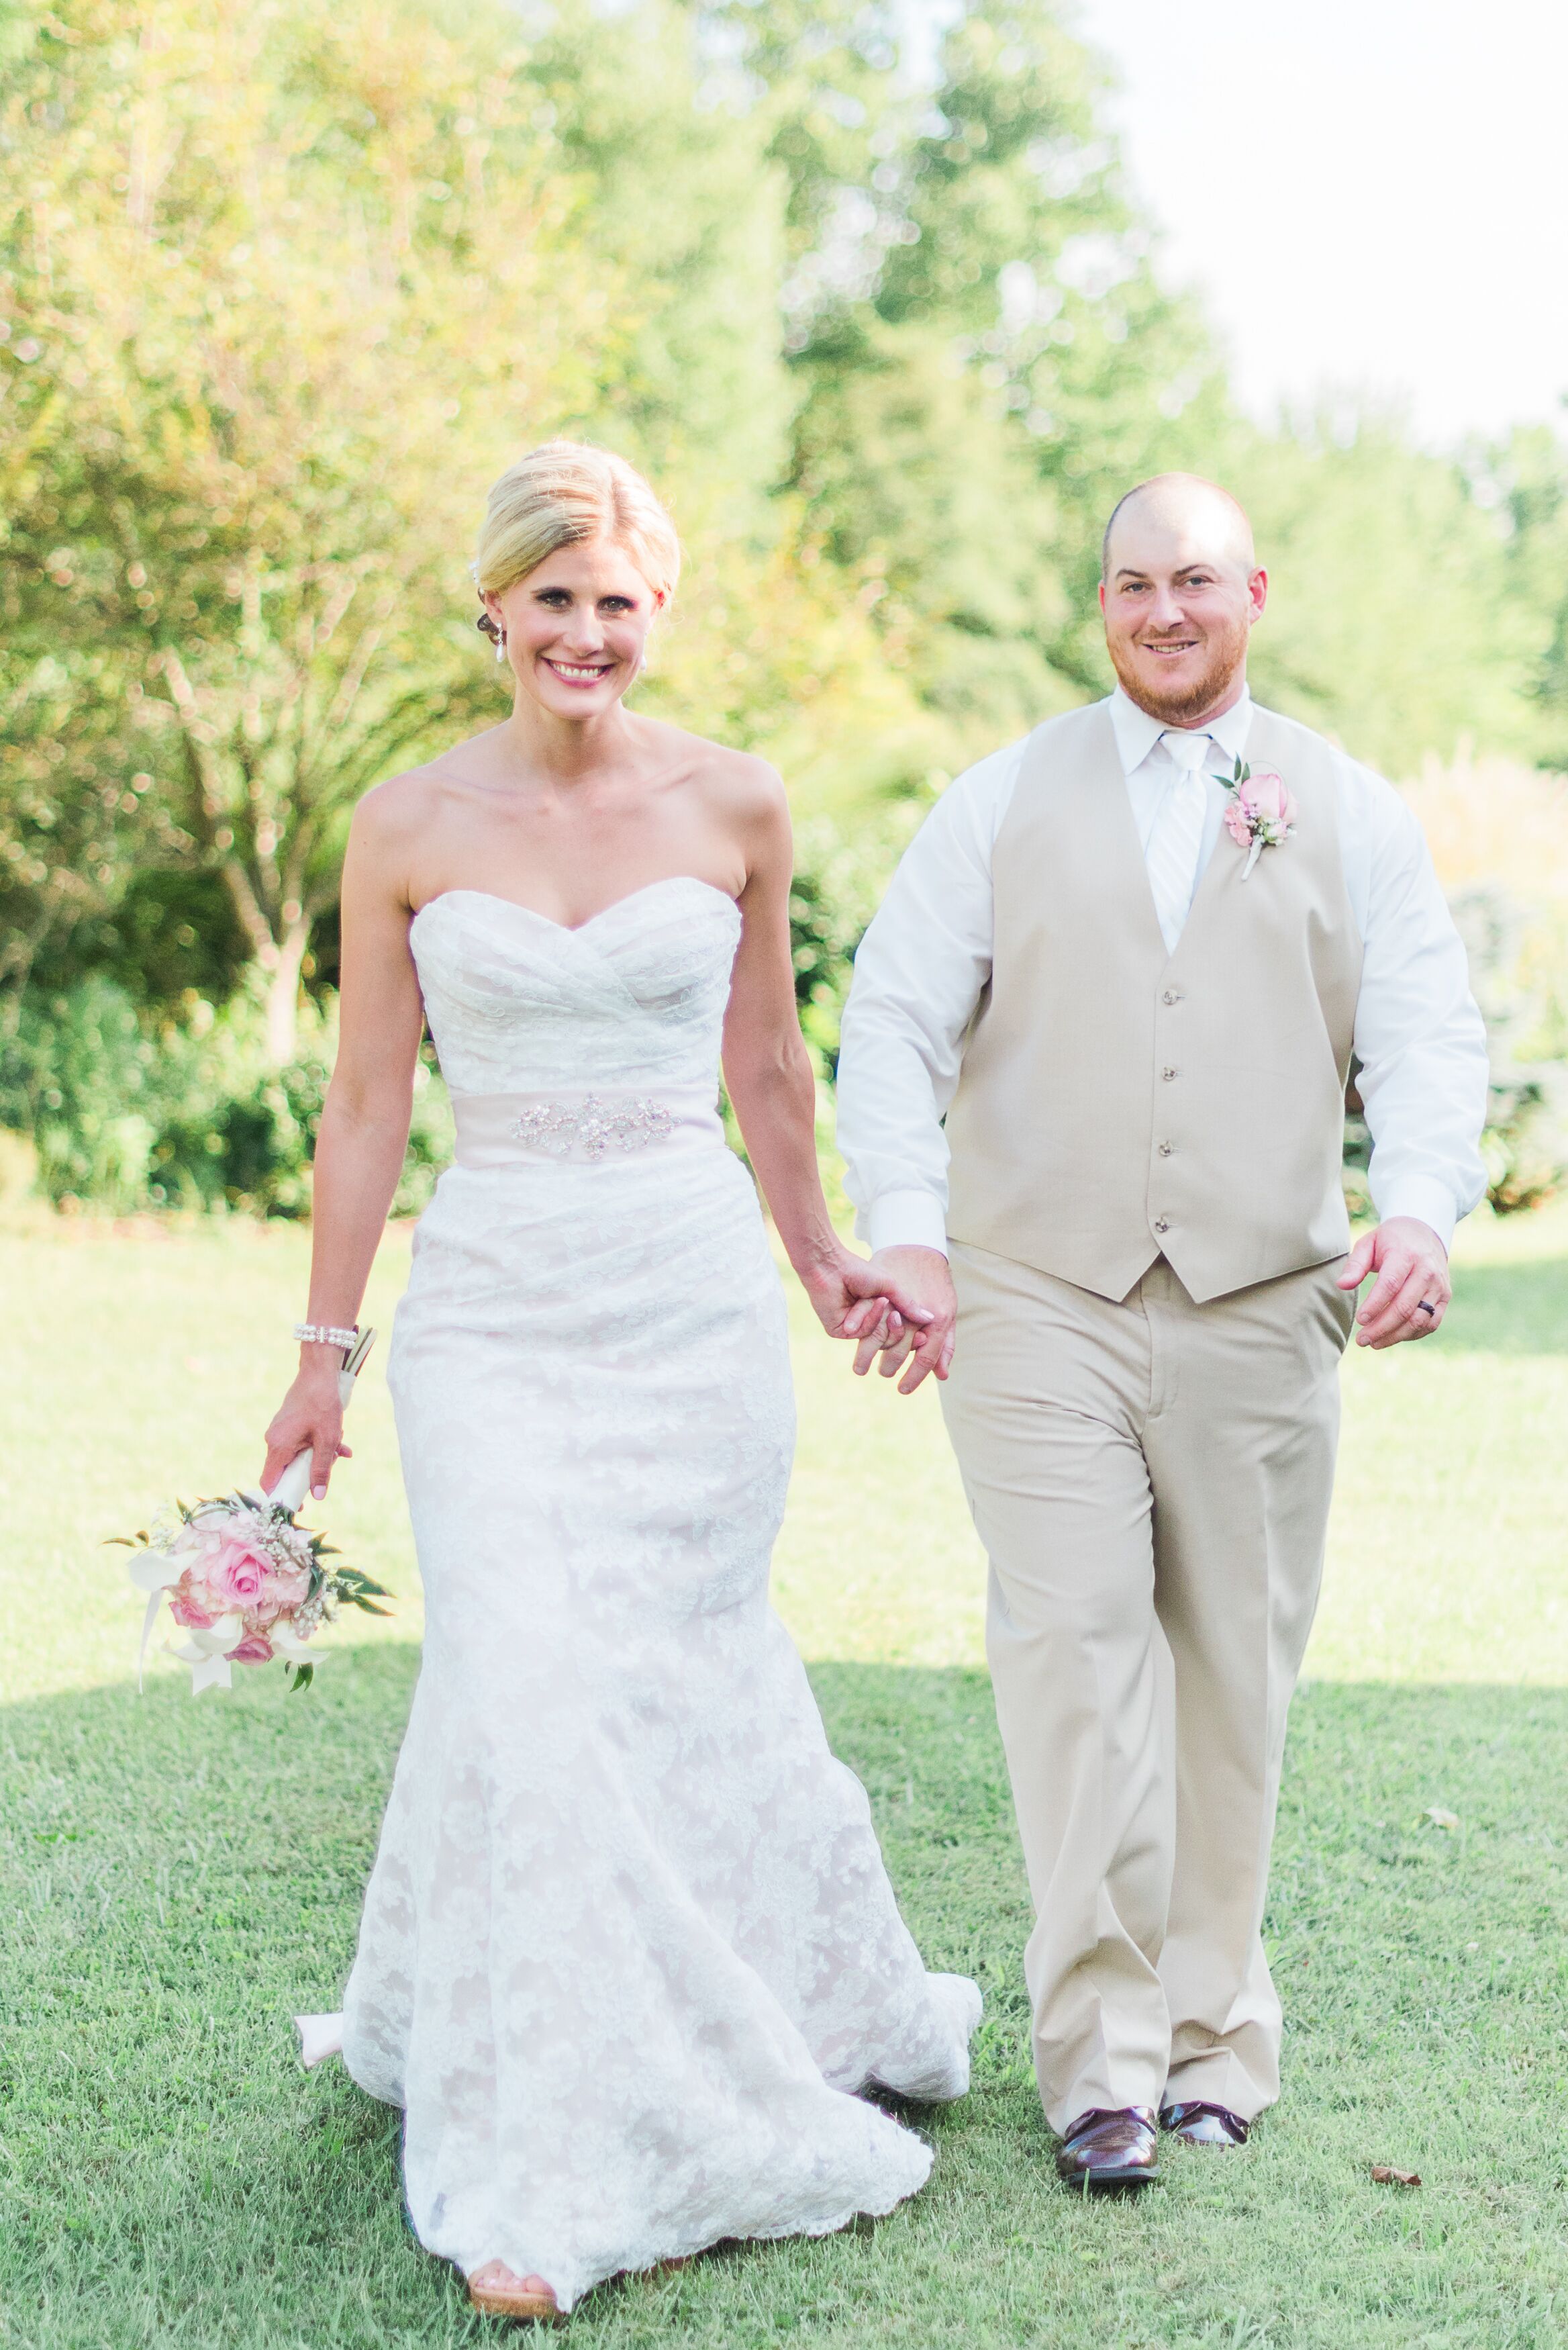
(180, 1876)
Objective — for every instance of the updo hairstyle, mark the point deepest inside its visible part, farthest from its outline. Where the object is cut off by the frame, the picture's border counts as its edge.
(561, 495)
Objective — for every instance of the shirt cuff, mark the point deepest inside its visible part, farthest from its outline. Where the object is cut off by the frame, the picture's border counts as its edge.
(1422, 1196)
(907, 1219)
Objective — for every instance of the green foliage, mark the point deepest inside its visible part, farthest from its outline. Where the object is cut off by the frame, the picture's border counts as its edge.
(985, 360)
(282, 289)
(1523, 484)
(129, 1114)
(678, 203)
(170, 936)
(1390, 624)
(1525, 1144)
(268, 272)
(841, 870)
(70, 787)
(94, 1089)
(1520, 991)
(966, 611)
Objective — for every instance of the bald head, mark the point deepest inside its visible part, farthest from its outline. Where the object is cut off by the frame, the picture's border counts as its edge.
(1180, 589)
(1203, 518)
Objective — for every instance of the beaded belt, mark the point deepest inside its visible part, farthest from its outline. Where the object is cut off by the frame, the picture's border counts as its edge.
(586, 1128)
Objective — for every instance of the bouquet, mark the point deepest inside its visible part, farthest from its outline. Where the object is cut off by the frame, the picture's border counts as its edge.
(243, 1582)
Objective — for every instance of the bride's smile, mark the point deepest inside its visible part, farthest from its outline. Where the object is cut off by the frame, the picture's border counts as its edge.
(575, 673)
(576, 631)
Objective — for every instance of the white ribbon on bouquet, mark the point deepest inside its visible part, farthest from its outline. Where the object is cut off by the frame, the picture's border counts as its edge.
(206, 1648)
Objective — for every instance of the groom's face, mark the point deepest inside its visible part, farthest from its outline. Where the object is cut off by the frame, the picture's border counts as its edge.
(1179, 597)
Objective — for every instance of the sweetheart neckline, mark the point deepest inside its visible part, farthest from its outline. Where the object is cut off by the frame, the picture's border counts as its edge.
(575, 930)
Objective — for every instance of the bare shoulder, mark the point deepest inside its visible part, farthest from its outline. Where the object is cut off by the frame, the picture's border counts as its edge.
(393, 826)
(400, 810)
(737, 786)
(395, 811)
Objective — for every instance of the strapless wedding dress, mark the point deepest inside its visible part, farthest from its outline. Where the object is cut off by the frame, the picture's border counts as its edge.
(628, 1949)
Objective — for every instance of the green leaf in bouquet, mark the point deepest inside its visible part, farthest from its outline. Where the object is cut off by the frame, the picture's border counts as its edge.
(359, 1590)
(303, 1677)
(353, 1578)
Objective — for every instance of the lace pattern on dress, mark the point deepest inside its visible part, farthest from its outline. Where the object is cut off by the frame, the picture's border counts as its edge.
(628, 1949)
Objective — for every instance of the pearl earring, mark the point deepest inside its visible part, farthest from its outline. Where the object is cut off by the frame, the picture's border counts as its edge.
(500, 645)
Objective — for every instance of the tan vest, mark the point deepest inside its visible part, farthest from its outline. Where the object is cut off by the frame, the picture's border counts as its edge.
(1118, 1104)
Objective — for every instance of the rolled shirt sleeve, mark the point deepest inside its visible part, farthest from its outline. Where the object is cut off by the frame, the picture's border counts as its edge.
(918, 976)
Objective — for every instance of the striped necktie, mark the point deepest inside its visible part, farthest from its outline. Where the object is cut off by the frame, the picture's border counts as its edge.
(1177, 833)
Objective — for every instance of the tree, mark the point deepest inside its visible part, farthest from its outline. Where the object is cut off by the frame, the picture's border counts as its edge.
(1390, 622)
(284, 287)
(1522, 484)
(286, 295)
(67, 807)
(983, 357)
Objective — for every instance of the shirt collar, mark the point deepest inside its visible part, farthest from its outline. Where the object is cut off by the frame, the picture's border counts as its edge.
(1136, 733)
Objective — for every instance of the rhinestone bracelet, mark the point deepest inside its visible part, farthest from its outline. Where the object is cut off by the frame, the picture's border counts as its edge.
(323, 1334)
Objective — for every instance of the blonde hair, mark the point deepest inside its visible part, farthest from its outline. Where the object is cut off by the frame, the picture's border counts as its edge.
(561, 495)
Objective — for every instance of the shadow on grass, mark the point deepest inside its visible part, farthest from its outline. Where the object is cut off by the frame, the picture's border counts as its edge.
(1509, 1309)
(181, 1877)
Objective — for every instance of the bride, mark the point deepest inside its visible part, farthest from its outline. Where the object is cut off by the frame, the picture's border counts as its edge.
(628, 1952)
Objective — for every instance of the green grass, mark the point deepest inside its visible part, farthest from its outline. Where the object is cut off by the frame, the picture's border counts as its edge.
(179, 1877)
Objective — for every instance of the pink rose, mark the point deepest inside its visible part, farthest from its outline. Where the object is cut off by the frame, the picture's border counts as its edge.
(1269, 796)
(255, 1649)
(290, 1583)
(287, 1589)
(237, 1574)
(185, 1608)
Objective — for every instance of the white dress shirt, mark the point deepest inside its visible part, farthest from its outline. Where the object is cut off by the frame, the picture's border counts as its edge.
(926, 957)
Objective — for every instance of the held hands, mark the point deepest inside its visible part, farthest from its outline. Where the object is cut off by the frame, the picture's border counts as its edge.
(311, 1414)
(1412, 1291)
(921, 1334)
(860, 1298)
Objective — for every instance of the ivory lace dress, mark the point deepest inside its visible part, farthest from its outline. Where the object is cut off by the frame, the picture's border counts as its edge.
(628, 1949)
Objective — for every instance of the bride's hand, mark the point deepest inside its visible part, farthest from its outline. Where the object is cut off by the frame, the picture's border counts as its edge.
(311, 1414)
(853, 1301)
(921, 1282)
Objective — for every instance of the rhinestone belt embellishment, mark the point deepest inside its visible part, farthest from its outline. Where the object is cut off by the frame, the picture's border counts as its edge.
(593, 1126)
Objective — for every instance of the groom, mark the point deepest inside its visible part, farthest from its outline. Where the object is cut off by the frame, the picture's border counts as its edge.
(1133, 994)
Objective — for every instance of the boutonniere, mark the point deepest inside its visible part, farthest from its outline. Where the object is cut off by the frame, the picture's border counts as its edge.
(1258, 811)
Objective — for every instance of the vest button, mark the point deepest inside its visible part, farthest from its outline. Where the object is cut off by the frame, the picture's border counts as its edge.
(1165, 1148)
(1171, 996)
(1162, 1223)
(1167, 1075)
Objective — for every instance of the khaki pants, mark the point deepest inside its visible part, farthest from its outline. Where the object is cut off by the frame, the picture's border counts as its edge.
(1151, 1482)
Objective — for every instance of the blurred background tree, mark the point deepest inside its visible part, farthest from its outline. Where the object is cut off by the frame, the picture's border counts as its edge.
(281, 290)
(261, 260)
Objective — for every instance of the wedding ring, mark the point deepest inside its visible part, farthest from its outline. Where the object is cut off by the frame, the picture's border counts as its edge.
(1425, 1309)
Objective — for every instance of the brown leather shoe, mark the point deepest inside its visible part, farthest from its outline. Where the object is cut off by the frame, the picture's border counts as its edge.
(1110, 2153)
(1204, 2125)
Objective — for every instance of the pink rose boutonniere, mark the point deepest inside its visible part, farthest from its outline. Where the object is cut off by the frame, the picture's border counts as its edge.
(1259, 812)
